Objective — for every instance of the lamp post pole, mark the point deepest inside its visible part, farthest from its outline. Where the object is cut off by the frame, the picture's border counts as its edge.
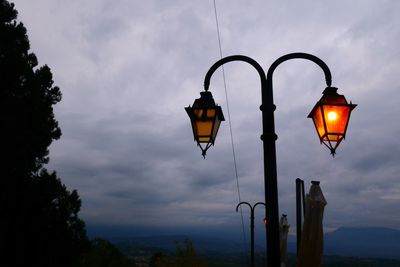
(251, 227)
(269, 138)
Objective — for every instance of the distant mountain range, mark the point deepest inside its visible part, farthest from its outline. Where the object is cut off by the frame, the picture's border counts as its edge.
(368, 242)
(372, 242)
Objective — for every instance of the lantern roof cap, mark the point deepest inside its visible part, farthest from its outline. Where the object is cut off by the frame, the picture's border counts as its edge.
(206, 100)
(330, 91)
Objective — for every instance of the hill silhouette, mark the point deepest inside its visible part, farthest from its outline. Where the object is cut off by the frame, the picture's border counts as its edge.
(369, 242)
(375, 242)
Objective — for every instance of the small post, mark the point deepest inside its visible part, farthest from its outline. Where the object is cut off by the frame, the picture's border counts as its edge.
(252, 236)
(299, 202)
(304, 198)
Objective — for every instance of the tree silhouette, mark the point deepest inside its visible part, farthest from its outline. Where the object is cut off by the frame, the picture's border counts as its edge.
(39, 225)
(185, 256)
(104, 254)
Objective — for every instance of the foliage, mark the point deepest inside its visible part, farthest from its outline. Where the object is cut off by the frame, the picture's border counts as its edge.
(27, 96)
(39, 224)
(103, 254)
(185, 257)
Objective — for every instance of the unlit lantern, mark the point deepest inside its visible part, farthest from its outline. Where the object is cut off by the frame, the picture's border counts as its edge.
(205, 117)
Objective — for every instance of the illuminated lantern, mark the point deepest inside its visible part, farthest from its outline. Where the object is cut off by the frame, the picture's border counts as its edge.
(205, 117)
(331, 116)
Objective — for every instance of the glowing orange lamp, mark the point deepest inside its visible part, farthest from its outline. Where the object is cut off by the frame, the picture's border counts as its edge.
(331, 116)
(205, 117)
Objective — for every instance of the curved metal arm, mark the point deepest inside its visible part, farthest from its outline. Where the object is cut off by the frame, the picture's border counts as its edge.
(248, 204)
(259, 203)
(237, 207)
(229, 59)
(318, 61)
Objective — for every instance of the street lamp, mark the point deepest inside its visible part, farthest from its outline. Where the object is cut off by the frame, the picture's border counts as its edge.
(252, 208)
(330, 116)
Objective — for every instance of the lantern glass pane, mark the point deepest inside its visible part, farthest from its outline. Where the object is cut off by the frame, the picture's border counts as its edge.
(204, 128)
(211, 113)
(336, 118)
(198, 113)
(319, 123)
(333, 137)
(205, 139)
(216, 127)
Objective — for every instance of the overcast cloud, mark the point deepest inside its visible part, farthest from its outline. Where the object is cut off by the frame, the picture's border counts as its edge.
(128, 68)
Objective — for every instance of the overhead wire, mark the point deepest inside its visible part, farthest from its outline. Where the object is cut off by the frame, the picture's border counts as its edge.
(230, 127)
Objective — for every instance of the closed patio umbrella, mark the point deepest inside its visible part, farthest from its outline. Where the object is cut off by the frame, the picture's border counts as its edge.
(311, 244)
(284, 231)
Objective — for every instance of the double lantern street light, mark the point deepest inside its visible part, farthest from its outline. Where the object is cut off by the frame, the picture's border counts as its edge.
(330, 115)
(252, 208)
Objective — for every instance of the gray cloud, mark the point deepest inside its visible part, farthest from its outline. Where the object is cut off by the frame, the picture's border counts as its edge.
(128, 68)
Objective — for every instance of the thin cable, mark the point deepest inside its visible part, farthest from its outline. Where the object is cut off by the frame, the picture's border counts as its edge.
(230, 125)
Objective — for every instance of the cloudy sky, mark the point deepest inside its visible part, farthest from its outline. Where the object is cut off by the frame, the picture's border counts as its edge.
(128, 68)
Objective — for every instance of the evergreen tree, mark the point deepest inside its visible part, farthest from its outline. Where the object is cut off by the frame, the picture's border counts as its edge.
(39, 224)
